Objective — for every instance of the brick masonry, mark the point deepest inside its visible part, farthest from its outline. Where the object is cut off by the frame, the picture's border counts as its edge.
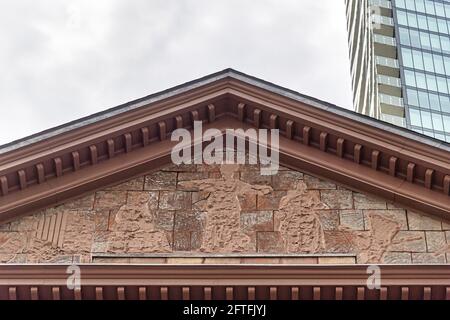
(228, 212)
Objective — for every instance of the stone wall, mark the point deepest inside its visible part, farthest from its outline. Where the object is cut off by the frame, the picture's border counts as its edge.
(207, 214)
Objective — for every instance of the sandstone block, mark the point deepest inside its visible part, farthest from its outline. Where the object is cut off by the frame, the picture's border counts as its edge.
(419, 221)
(286, 180)
(253, 177)
(398, 215)
(247, 201)
(161, 180)
(425, 258)
(397, 258)
(314, 183)
(270, 201)
(435, 241)
(337, 199)
(329, 219)
(175, 200)
(352, 219)
(109, 199)
(413, 241)
(270, 242)
(257, 221)
(130, 185)
(83, 203)
(363, 201)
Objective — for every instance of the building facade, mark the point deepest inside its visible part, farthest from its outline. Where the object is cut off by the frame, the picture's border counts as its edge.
(101, 195)
(400, 62)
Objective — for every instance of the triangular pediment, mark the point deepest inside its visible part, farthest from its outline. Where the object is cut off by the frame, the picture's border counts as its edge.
(317, 138)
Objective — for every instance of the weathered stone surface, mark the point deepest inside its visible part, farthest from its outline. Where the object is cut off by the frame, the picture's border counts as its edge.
(176, 200)
(286, 180)
(101, 219)
(352, 219)
(222, 231)
(161, 180)
(270, 201)
(247, 201)
(413, 241)
(314, 183)
(395, 214)
(257, 221)
(329, 219)
(83, 203)
(445, 225)
(435, 241)
(270, 242)
(187, 176)
(337, 199)
(419, 221)
(109, 199)
(397, 258)
(254, 178)
(297, 221)
(425, 258)
(363, 201)
(225, 210)
(130, 185)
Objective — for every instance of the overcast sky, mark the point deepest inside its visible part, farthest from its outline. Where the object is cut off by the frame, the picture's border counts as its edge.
(65, 59)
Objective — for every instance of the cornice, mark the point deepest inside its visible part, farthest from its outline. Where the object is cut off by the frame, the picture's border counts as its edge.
(205, 282)
(365, 157)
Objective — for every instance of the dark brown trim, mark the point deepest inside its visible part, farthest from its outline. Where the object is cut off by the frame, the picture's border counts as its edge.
(314, 140)
(240, 281)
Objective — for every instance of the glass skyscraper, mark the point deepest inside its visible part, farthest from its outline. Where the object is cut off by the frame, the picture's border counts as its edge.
(400, 62)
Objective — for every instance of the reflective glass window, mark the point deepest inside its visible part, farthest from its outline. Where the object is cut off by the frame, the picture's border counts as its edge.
(426, 119)
(442, 84)
(438, 64)
(415, 38)
(421, 81)
(431, 82)
(407, 58)
(423, 100)
(434, 102)
(414, 116)
(401, 17)
(437, 122)
(412, 20)
(445, 103)
(424, 40)
(413, 98)
(429, 7)
(447, 65)
(446, 123)
(404, 36)
(409, 78)
(410, 5)
(428, 61)
(432, 24)
(440, 11)
(418, 62)
(422, 21)
(435, 43)
(445, 44)
(442, 25)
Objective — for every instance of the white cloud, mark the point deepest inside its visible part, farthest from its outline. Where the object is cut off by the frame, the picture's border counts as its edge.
(61, 60)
